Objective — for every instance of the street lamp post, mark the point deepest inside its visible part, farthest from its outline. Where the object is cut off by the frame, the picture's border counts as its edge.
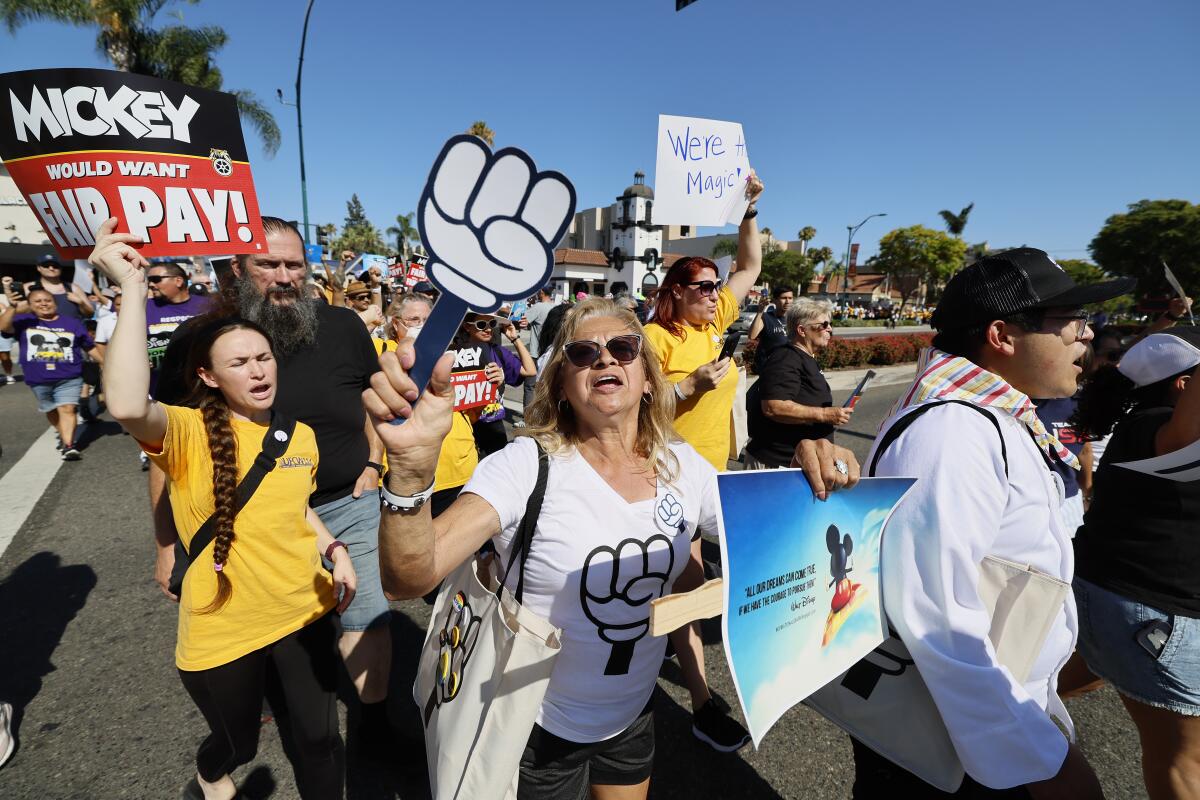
(300, 118)
(850, 231)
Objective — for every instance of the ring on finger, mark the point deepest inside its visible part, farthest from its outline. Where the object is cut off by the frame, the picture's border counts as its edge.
(841, 466)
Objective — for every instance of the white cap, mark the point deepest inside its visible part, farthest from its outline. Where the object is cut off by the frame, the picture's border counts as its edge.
(1161, 355)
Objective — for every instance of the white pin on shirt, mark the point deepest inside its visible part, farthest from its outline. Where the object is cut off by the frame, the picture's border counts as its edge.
(280, 436)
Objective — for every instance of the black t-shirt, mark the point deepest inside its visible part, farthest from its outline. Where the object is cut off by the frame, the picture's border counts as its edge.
(320, 386)
(772, 336)
(1141, 536)
(788, 374)
(1056, 415)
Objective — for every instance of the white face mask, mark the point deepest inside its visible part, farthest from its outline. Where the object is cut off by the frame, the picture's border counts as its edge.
(413, 333)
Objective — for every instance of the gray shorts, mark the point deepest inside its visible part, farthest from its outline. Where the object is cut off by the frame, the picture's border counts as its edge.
(554, 768)
(356, 522)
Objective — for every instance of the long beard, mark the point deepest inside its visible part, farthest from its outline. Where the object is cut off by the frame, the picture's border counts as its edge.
(290, 325)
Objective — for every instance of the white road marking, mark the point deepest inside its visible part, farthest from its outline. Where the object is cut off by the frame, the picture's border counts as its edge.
(22, 486)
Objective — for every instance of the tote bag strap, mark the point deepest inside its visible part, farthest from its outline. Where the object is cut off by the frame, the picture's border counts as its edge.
(901, 425)
(524, 537)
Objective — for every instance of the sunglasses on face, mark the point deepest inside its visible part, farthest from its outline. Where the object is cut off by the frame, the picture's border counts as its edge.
(483, 324)
(357, 297)
(156, 278)
(625, 349)
(705, 288)
(822, 326)
(50, 266)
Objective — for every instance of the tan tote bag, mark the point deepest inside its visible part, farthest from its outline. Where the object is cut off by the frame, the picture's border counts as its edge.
(483, 672)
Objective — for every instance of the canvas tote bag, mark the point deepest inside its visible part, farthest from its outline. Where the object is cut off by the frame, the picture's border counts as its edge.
(483, 672)
(884, 703)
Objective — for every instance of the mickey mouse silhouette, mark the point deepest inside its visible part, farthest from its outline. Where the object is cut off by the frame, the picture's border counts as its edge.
(456, 640)
(839, 547)
(47, 349)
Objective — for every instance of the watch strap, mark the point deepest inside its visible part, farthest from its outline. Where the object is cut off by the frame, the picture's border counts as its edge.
(396, 502)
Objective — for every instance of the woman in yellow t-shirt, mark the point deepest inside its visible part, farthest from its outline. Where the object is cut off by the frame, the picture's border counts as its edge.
(692, 311)
(257, 599)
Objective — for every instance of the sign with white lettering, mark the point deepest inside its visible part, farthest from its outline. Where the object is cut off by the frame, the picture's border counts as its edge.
(167, 160)
(700, 173)
(471, 387)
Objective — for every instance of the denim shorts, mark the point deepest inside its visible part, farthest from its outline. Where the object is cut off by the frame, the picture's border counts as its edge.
(60, 393)
(6, 343)
(356, 522)
(1109, 624)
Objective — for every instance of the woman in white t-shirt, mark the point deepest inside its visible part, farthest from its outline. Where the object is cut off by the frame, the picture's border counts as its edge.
(624, 502)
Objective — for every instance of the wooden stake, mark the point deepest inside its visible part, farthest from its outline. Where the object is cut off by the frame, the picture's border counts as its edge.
(676, 610)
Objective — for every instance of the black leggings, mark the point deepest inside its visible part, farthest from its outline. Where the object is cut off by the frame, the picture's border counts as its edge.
(298, 675)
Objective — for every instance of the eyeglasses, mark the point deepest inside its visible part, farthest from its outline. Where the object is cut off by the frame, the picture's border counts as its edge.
(625, 349)
(357, 297)
(50, 266)
(483, 324)
(705, 288)
(1080, 321)
(156, 278)
(822, 326)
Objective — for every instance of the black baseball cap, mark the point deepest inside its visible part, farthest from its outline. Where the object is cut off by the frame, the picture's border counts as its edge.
(1023, 279)
(423, 287)
(49, 259)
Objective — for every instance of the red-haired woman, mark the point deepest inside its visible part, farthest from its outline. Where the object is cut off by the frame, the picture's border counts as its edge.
(692, 311)
(257, 601)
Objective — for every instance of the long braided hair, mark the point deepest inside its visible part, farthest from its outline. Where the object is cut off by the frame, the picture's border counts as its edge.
(222, 444)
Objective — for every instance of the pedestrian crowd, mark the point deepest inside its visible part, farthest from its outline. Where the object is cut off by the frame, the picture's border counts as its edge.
(296, 486)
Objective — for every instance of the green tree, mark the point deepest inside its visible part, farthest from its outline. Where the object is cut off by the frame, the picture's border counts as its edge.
(1085, 272)
(726, 246)
(481, 129)
(129, 37)
(805, 235)
(405, 232)
(787, 268)
(956, 223)
(918, 255)
(1152, 232)
(358, 234)
(820, 255)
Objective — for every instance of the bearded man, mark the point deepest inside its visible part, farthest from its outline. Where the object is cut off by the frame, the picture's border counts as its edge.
(325, 359)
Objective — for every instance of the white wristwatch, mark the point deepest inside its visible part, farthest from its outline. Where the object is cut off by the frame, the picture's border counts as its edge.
(395, 502)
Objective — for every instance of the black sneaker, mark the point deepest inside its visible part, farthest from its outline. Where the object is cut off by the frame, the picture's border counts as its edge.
(717, 729)
(69, 453)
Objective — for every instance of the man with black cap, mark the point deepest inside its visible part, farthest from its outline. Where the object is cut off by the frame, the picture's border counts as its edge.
(70, 300)
(1010, 327)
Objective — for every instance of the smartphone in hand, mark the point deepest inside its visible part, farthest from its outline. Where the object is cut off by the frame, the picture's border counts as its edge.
(731, 343)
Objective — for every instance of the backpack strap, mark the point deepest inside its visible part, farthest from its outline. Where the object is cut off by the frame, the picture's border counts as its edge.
(273, 448)
(902, 424)
(523, 540)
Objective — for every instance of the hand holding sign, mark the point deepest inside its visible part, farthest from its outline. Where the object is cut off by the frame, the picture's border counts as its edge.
(490, 223)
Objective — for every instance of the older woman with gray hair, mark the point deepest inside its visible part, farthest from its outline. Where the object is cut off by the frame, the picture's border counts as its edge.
(792, 401)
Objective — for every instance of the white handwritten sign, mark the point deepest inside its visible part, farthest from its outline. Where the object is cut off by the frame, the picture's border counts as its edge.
(701, 171)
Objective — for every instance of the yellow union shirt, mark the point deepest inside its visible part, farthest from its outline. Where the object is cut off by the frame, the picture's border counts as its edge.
(703, 419)
(279, 583)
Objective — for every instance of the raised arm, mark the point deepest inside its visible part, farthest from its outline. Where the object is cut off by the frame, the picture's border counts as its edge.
(126, 367)
(415, 550)
(528, 365)
(749, 255)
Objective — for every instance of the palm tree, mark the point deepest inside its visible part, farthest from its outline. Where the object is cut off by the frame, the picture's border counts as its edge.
(820, 255)
(481, 130)
(128, 38)
(725, 246)
(955, 223)
(404, 232)
(805, 236)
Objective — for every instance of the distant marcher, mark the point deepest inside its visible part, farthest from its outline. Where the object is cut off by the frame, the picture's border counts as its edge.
(791, 400)
(9, 298)
(52, 351)
(1138, 554)
(69, 299)
(768, 328)
(502, 367)
(361, 300)
(534, 319)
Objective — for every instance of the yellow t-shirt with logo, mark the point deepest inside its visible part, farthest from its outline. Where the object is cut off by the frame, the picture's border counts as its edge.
(703, 419)
(279, 583)
(458, 459)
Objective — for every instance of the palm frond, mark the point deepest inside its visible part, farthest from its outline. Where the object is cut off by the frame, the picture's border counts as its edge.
(16, 13)
(260, 119)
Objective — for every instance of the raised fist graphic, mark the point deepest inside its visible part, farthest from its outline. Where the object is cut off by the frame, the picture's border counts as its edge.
(491, 221)
(456, 642)
(616, 589)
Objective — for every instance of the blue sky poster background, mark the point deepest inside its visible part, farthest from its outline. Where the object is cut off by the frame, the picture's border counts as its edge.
(771, 525)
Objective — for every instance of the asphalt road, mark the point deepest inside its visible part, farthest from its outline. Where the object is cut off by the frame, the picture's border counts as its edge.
(86, 656)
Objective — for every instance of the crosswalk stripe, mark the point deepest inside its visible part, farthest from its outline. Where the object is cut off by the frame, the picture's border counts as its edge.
(22, 486)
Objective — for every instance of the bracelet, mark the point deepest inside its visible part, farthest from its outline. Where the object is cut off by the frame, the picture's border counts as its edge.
(334, 546)
(376, 466)
(679, 392)
(751, 212)
(395, 502)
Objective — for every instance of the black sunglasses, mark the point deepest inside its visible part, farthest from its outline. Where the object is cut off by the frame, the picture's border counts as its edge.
(625, 349)
(705, 288)
(156, 278)
(50, 265)
(359, 296)
(483, 324)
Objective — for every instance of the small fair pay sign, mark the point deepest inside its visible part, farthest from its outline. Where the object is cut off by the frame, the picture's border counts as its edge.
(700, 173)
(471, 388)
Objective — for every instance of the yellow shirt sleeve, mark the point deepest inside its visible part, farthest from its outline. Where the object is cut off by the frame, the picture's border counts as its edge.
(185, 428)
(727, 309)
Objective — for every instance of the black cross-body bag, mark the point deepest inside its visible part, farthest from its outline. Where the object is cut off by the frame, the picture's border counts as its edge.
(273, 447)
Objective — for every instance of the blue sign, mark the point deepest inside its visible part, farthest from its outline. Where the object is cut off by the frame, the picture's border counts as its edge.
(314, 253)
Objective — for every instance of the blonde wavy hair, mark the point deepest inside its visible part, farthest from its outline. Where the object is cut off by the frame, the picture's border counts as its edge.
(556, 429)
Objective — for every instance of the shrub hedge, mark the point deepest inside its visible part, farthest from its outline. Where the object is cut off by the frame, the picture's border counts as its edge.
(873, 351)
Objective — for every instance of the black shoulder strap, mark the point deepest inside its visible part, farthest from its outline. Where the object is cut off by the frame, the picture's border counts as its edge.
(273, 447)
(523, 540)
(901, 425)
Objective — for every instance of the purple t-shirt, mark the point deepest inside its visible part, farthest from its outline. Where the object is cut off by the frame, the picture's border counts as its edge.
(510, 362)
(51, 350)
(162, 318)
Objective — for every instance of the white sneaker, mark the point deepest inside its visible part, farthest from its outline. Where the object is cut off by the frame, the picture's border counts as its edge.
(8, 742)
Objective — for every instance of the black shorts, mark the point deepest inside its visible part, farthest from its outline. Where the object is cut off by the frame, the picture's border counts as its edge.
(553, 768)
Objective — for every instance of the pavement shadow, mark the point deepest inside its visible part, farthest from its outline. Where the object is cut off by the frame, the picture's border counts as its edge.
(39, 598)
(94, 430)
(685, 768)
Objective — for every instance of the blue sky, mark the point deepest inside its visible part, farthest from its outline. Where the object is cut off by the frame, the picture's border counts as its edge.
(1049, 116)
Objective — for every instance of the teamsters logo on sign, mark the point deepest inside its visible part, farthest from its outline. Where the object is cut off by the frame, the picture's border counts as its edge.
(168, 160)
